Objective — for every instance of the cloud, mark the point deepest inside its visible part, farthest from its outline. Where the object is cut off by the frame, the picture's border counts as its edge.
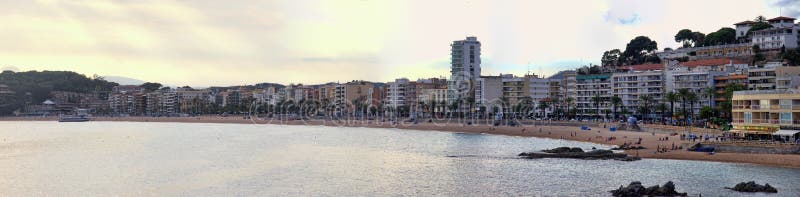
(789, 8)
(204, 42)
(629, 21)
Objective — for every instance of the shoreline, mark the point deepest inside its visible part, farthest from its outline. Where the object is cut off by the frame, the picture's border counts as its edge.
(596, 135)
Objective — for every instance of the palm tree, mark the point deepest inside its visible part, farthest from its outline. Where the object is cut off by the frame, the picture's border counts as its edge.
(568, 102)
(760, 19)
(615, 103)
(671, 97)
(692, 98)
(662, 107)
(596, 100)
(709, 92)
(646, 100)
(684, 94)
(542, 106)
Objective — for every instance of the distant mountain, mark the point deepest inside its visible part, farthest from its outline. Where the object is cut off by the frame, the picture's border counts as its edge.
(124, 80)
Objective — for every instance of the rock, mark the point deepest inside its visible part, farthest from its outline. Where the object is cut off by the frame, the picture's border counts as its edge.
(636, 189)
(753, 187)
(577, 153)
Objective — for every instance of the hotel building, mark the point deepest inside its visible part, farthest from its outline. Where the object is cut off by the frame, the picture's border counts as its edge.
(760, 113)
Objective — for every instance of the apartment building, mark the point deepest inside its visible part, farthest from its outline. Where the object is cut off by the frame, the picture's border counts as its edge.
(637, 82)
(783, 33)
(589, 86)
(772, 75)
(766, 113)
(465, 70)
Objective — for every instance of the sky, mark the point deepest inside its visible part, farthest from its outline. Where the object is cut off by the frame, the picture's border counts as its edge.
(210, 42)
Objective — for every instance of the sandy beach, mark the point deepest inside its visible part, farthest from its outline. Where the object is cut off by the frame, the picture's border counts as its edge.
(597, 134)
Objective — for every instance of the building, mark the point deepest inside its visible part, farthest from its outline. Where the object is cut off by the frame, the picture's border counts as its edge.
(587, 87)
(122, 103)
(698, 77)
(192, 101)
(396, 93)
(489, 91)
(346, 94)
(784, 33)
(742, 28)
(465, 70)
(4, 89)
(638, 82)
(766, 113)
(772, 76)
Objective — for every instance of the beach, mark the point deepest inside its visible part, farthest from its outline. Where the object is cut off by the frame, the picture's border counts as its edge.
(596, 134)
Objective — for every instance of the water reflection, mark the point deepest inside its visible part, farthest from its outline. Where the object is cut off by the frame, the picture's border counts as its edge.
(174, 159)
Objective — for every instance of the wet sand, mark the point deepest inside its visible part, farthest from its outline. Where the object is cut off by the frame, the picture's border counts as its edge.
(597, 134)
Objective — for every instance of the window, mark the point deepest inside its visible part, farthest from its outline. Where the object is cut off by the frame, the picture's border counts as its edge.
(786, 118)
(748, 117)
(786, 104)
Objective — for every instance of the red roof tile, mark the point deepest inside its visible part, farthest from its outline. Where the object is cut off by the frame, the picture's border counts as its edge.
(709, 62)
(643, 67)
(781, 18)
(744, 23)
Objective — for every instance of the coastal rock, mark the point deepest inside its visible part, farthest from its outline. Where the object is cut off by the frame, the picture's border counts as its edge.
(636, 189)
(628, 147)
(577, 153)
(753, 187)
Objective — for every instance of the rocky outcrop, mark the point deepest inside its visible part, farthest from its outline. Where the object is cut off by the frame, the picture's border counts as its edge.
(753, 187)
(628, 147)
(635, 189)
(578, 153)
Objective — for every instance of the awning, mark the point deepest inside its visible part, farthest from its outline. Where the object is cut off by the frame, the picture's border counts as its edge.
(746, 132)
(786, 132)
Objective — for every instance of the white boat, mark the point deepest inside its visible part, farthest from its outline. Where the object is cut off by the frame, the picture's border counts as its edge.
(81, 116)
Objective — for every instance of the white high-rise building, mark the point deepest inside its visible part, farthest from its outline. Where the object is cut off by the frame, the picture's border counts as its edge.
(465, 70)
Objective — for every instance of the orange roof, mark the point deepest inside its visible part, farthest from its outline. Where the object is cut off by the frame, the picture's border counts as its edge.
(781, 18)
(709, 62)
(643, 67)
(744, 23)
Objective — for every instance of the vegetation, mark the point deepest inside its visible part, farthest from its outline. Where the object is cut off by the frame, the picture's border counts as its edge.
(725, 35)
(792, 56)
(151, 86)
(640, 50)
(35, 87)
(689, 38)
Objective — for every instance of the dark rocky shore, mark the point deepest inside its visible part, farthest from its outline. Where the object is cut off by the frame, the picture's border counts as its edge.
(578, 153)
(753, 187)
(635, 189)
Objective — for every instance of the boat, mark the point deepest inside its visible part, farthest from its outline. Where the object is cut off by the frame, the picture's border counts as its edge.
(73, 119)
(81, 116)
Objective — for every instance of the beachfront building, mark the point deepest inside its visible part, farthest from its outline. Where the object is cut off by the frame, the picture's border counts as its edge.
(465, 70)
(539, 91)
(396, 93)
(587, 87)
(766, 114)
(346, 94)
(637, 85)
(122, 103)
(722, 82)
(489, 92)
(784, 33)
(698, 76)
(191, 101)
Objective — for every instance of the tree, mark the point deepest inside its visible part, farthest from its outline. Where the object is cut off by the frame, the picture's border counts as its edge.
(726, 105)
(725, 35)
(685, 36)
(543, 105)
(699, 38)
(710, 93)
(707, 112)
(597, 99)
(760, 19)
(646, 100)
(638, 49)
(793, 56)
(671, 98)
(615, 103)
(661, 108)
(611, 58)
(758, 26)
(684, 95)
(149, 86)
(569, 101)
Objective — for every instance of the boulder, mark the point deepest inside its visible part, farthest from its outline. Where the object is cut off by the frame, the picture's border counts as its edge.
(635, 189)
(753, 187)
